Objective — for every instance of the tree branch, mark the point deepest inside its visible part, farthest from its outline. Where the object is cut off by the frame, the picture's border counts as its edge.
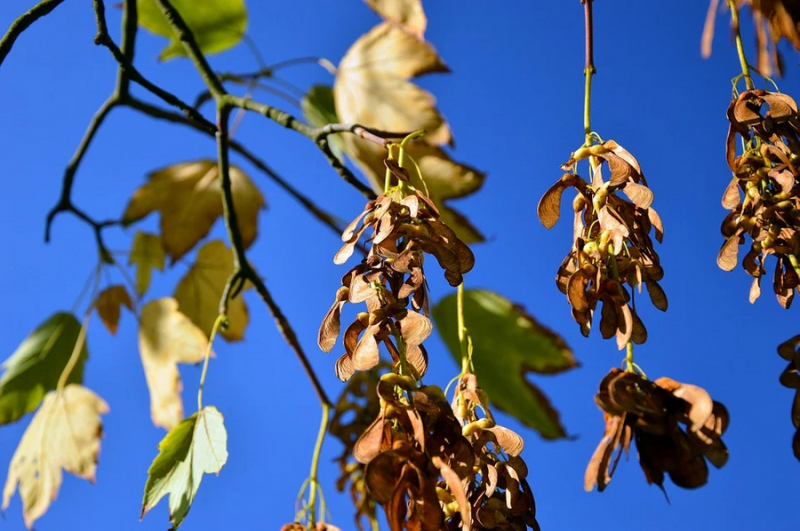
(23, 22)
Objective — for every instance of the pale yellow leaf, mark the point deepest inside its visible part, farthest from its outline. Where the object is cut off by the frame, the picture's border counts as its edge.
(372, 86)
(147, 253)
(167, 337)
(406, 13)
(63, 434)
(109, 304)
(189, 197)
(200, 290)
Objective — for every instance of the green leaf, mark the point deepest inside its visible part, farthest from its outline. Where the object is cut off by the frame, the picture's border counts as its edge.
(34, 368)
(508, 344)
(196, 446)
(319, 110)
(217, 24)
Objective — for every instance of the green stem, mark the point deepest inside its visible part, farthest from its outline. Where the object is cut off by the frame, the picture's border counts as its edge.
(466, 360)
(739, 46)
(588, 71)
(312, 496)
(629, 365)
(220, 319)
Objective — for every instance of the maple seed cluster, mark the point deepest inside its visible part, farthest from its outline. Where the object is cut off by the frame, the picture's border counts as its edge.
(764, 195)
(611, 242)
(651, 413)
(405, 225)
(790, 351)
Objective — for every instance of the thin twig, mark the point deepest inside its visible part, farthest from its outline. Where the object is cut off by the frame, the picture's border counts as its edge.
(23, 22)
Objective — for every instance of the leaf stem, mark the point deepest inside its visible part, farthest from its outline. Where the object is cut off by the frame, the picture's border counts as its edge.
(217, 324)
(739, 46)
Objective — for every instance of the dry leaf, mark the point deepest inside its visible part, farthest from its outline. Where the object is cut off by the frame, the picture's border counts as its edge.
(147, 253)
(189, 198)
(64, 434)
(406, 13)
(109, 303)
(199, 292)
(167, 337)
(372, 86)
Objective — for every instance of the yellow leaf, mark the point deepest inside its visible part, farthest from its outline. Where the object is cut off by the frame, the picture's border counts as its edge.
(109, 303)
(167, 337)
(189, 198)
(372, 86)
(64, 434)
(199, 292)
(406, 13)
(147, 253)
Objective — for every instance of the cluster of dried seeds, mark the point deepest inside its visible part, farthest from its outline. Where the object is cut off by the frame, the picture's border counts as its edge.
(391, 280)
(611, 242)
(651, 413)
(764, 195)
(790, 351)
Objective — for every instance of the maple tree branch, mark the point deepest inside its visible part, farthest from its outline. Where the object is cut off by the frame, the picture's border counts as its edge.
(23, 22)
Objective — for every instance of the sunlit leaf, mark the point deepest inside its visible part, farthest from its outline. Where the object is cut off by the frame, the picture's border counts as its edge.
(372, 84)
(196, 446)
(35, 367)
(148, 254)
(64, 434)
(319, 110)
(167, 337)
(109, 304)
(508, 344)
(200, 290)
(189, 198)
(217, 24)
(406, 13)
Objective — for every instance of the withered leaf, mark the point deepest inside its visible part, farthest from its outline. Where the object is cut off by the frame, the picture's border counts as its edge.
(189, 198)
(408, 14)
(109, 303)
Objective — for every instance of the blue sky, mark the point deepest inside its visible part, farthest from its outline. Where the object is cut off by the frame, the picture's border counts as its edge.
(514, 100)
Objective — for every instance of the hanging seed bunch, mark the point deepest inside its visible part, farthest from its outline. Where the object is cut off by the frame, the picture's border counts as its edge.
(652, 415)
(356, 409)
(390, 280)
(498, 491)
(612, 250)
(773, 20)
(790, 378)
(764, 195)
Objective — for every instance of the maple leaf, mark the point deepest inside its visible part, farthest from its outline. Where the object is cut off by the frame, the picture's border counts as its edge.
(196, 446)
(35, 367)
(109, 303)
(167, 337)
(64, 434)
(216, 24)
(508, 344)
(406, 13)
(189, 199)
(372, 84)
(200, 290)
